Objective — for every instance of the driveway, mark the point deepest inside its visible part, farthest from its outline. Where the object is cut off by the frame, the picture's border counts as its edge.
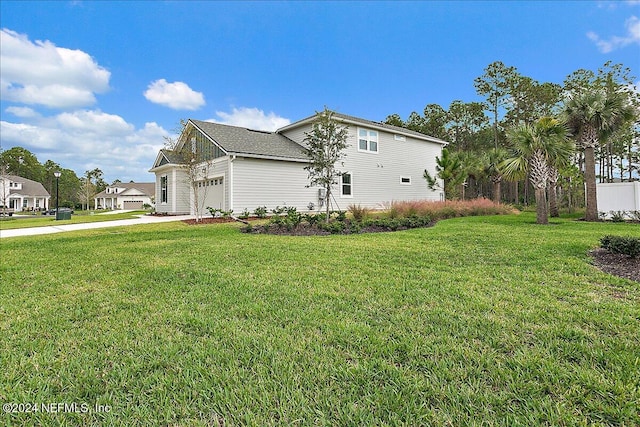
(142, 219)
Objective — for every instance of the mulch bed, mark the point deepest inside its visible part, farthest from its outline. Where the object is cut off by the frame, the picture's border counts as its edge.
(207, 220)
(616, 264)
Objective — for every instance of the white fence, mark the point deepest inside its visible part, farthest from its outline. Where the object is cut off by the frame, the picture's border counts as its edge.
(618, 196)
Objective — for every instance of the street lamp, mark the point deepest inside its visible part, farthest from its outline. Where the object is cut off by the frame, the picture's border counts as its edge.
(57, 175)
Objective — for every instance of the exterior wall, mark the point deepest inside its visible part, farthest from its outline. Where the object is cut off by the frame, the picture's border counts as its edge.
(618, 196)
(271, 183)
(177, 192)
(212, 194)
(376, 177)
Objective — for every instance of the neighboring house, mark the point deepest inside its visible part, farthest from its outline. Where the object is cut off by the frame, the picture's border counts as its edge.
(133, 195)
(245, 168)
(22, 194)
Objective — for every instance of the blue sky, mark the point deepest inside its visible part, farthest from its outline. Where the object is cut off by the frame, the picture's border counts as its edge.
(99, 84)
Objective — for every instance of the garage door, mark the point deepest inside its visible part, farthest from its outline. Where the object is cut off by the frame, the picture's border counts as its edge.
(213, 193)
(132, 204)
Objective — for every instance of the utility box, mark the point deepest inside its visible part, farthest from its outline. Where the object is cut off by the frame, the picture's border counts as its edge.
(618, 196)
(63, 215)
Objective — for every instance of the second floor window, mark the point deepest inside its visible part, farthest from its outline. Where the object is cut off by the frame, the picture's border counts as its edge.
(368, 140)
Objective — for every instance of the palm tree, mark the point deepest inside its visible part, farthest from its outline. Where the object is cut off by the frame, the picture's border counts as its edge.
(492, 160)
(592, 116)
(535, 148)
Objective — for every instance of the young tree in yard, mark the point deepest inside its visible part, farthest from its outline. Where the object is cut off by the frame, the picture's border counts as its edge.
(196, 162)
(449, 170)
(535, 148)
(326, 144)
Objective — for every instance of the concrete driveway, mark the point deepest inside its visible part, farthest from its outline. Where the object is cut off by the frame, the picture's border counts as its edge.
(142, 219)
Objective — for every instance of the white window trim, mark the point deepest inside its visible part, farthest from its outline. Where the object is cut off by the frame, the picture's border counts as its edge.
(166, 189)
(405, 183)
(346, 196)
(368, 141)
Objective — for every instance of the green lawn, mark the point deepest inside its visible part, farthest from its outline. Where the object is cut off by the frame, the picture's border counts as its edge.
(476, 321)
(8, 223)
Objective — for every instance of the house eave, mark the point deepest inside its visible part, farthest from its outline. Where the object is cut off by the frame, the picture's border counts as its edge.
(266, 157)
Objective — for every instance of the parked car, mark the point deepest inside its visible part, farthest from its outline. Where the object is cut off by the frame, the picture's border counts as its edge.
(4, 211)
(53, 211)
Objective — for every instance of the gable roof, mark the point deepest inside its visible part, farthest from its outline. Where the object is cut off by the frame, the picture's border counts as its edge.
(371, 124)
(29, 187)
(243, 141)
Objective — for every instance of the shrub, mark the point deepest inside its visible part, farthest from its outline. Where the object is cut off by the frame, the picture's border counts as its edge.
(244, 214)
(260, 211)
(618, 216)
(629, 246)
(635, 215)
(358, 212)
(447, 209)
(312, 219)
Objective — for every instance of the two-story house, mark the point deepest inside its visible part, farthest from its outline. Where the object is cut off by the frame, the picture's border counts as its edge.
(243, 168)
(22, 194)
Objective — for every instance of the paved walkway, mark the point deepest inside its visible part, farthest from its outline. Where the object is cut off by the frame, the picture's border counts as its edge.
(142, 219)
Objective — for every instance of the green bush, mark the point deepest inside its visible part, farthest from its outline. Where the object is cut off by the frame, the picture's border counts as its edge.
(260, 211)
(629, 246)
(618, 216)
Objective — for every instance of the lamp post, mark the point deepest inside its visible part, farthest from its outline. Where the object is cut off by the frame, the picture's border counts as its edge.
(57, 175)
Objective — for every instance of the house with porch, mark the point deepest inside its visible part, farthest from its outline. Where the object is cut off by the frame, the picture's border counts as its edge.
(22, 194)
(240, 168)
(132, 195)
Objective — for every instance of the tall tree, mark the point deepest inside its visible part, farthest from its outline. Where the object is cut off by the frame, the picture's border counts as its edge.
(435, 121)
(492, 160)
(464, 121)
(22, 162)
(535, 148)
(495, 85)
(593, 115)
(326, 145)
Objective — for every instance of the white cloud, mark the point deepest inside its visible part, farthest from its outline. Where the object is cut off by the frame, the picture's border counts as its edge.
(44, 74)
(22, 112)
(177, 95)
(632, 26)
(251, 118)
(88, 139)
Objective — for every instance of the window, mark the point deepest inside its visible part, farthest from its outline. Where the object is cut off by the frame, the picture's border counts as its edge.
(368, 140)
(399, 137)
(346, 185)
(163, 189)
(405, 180)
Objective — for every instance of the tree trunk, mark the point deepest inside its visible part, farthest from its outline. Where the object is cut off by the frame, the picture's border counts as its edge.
(496, 180)
(553, 192)
(591, 213)
(542, 216)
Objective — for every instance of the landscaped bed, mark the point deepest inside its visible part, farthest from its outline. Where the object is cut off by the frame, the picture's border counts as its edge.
(479, 320)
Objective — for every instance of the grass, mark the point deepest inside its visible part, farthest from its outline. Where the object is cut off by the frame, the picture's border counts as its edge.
(8, 223)
(476, 321)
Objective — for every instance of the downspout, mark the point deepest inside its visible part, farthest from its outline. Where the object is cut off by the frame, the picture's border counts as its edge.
(229, 181)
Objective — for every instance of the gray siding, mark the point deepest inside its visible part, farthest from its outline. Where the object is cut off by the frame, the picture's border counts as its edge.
(270, 183)
(376, 177)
